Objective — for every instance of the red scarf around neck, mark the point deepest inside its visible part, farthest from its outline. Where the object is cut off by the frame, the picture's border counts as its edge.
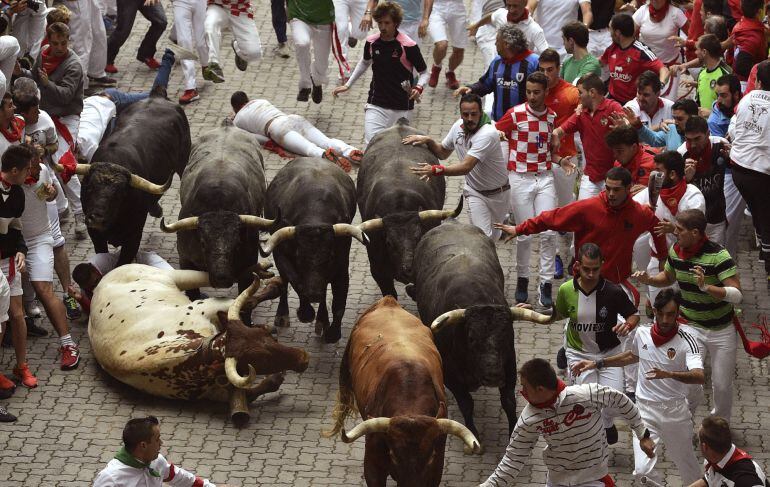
(659, 338)
(657, 15)
(517, 58)
(687, 254)
(560, 385)
(673, 195)
(51, 62)
(704, 160)
(737, 455)
(524, 16)
(14, 131)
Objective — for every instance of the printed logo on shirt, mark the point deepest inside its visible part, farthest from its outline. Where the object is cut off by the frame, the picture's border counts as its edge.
(519, 77)
(510, 83)
(603, 312)
(578, 412)
(604, 121)
(671, 353)
(644, 347)
(396, 54)
(548, 427)
(757, 111)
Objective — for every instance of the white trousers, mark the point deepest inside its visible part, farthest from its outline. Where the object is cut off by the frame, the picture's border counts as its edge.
(411, 29)
(89, 39)
(716, 232)
(313, 69)
(607, 376)
(735, 206)
(485, 40)
(72, 188)
(189, 22)
(9, 50)
(295, 134)
(29, 30)
(448, 24)
(483, 211)
(721, 346)
(531, 194)
(589, 189)
(564, 186)
(377, 119)
(598, 42)
(347, 17)
(670, 423)
(247, 43)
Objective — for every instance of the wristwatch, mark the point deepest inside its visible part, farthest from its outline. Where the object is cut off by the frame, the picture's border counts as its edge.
(600, 363)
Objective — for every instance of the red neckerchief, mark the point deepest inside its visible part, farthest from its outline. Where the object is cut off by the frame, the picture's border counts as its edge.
(657, 15)
(673, 195)
(704, 160)
(686, 254)
(51, 62)
(517, 58)
(5, 181)
(659, 338)
(524, 16)
(560, 385)
(14, 131)
(737, 455)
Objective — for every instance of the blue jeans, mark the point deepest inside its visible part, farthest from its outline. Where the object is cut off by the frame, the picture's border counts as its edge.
(278, 11)
(123, 99)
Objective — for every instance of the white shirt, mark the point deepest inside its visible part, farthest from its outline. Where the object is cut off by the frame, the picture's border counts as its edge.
(532, 30)
(34, 220)
(94, 119)
(551, 15)
(750, 132)
(254, 115)
(692, 200)
(656, 34)
(664, 112)
(679, 354)
(118, 474)
(491, 172)
(44, 131)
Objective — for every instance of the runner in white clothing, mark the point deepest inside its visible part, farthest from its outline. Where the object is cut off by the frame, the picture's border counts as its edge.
(515, 13)
(477, 144)
(238, 15)
(447, 26)
(569, 420)
(649, 106)
(668, 357)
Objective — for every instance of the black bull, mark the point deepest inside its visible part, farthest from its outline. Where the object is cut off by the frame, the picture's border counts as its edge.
(150, 142)
(460, 290)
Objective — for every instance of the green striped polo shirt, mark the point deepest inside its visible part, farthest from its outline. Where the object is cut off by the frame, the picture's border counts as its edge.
(700, 308)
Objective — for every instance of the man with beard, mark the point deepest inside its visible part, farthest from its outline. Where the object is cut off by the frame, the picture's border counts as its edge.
(477, 144)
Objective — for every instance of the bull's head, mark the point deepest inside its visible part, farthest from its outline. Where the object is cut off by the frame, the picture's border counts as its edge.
(105, 186)
(313, 253)
(219, 234)
(415, 444)
(403, 231)
(487, 332)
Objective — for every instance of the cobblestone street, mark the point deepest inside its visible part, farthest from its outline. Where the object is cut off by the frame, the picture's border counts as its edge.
(70, 426)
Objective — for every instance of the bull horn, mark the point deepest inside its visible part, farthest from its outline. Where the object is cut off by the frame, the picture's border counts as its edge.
(256, 221)
(348, 230)
(234, 311)
(524, 314)
(237, 379)
(371, 225)
(80, 169)
(285, 233)
(190, 223)
(139, 182)
(448, 318)
(374, 425)
(452, 427)
(428, 215)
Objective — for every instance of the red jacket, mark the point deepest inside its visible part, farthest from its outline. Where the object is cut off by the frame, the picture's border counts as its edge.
(614, 230)
(749, 37)
(641, 165)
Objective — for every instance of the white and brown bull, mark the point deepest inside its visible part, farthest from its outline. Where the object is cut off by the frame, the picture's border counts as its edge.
(146, 333)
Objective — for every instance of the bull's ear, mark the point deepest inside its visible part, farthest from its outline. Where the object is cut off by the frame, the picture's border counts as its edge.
(222, 321)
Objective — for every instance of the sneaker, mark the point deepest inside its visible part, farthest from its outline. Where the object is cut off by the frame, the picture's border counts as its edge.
(5, 416)
(356, 156)
(304, 94)
(103, 82)
(612, 435)
(561, 359)
(318, 94)
(25, 376)
(70, 357)
(33, 330)
(546, 300)
(189, 96)
(213, 73)
(110, 68)
(80, 226)
(6, 387)
(352, 42)
(150, 62)
(32, 309)
(451, 80)
(434, 72)
(73, 310)
(521, 295)
(282, 50)
(558, 273)
(240, 63)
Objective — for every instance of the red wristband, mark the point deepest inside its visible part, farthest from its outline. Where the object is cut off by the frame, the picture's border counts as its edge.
(418, 88)
(437, 169)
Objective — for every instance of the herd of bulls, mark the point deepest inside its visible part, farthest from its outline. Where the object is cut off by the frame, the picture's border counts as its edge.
(151, 329)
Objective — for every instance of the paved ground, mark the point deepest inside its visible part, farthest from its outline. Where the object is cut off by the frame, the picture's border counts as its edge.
(70, 426)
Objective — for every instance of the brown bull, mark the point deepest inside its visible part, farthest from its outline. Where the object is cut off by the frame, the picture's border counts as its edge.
(391, 373)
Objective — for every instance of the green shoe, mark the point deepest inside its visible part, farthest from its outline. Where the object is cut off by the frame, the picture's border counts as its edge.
(213, 73)
(73, 311)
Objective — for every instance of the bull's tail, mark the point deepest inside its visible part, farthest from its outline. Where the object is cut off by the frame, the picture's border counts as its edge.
(345, 399)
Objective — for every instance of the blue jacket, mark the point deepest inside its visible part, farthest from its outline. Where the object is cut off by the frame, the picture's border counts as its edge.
(671, 140)
(507, 82)
(718, 122)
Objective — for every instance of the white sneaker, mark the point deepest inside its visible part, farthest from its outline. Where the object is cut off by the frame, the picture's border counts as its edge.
(32, 309)
(282, 50)
(80, 227)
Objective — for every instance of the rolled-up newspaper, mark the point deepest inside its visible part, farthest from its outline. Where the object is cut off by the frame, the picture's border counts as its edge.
(654, 186)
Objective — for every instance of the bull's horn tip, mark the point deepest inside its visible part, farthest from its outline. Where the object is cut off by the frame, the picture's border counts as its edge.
(344, 436)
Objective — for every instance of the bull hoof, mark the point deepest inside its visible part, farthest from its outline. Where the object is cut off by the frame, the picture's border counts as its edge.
(282, 321)
(305, 314)
(332, 334)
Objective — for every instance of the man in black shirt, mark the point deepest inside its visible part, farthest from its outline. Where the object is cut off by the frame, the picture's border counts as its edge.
(600, 37)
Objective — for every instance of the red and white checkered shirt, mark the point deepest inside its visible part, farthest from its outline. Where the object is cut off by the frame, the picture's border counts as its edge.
(529, 138)
(236, 7)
